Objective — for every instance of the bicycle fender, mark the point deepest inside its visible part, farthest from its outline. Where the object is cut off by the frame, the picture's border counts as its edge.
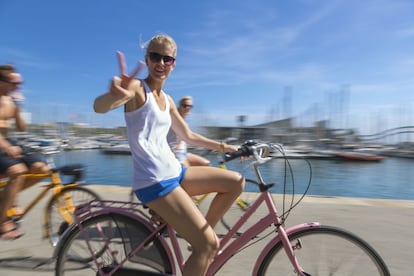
(276, 240)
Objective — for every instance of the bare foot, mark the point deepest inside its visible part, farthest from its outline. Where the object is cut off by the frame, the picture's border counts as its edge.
(9, 231)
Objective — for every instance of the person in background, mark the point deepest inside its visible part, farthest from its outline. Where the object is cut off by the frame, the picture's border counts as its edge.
(160, 181)
(14, 161)
(178, 145)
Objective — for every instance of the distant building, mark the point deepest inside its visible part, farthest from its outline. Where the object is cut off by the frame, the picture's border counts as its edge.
(282, 131)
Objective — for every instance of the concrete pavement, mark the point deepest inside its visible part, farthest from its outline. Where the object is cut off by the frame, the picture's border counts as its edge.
(386, 224)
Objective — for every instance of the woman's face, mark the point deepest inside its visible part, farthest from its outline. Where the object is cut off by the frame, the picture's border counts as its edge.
(160, 60)
(185, 108)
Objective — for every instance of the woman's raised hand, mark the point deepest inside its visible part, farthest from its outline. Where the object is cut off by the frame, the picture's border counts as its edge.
(119, 86)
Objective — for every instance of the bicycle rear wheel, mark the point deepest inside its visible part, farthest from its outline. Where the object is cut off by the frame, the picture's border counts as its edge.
(325, 251)
(60, 209)
(106, 240)
(241, 204)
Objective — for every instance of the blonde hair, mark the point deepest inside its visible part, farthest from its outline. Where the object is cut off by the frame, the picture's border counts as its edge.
(160, 39)
(185, 98)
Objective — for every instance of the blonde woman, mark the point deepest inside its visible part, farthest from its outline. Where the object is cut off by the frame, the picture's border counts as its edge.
(160, 181)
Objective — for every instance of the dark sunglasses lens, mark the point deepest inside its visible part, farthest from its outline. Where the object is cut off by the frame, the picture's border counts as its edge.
(168, 60)
(154, 57)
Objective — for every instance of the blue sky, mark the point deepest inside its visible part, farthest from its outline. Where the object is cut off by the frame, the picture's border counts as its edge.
(348, 61)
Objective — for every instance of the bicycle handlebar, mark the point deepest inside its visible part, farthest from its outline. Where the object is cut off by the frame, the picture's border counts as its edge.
(259, 151)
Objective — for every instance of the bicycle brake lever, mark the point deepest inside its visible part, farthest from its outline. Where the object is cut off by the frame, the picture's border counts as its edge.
(259, 159)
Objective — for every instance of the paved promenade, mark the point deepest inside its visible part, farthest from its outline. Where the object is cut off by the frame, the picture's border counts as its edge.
(386, 224)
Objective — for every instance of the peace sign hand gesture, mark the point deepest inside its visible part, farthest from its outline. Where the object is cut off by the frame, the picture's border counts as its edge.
(119, 87)
(119, 92)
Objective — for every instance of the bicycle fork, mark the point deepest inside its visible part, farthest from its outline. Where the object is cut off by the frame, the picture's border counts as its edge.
(283, 237)
(66, 205)
(290, 251)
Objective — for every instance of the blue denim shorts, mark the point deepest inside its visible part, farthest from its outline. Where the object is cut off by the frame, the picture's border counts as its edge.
(159, 189)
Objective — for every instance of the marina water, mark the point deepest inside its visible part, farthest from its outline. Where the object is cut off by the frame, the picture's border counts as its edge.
(391, 178)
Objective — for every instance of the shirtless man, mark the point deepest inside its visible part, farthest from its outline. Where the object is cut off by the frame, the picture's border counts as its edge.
(14, 161)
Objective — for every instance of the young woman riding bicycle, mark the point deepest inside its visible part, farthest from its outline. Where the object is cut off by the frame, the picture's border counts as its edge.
(160, 181)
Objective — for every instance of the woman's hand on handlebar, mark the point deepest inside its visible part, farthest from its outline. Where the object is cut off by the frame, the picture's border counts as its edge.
(233, 148)
(230, 148)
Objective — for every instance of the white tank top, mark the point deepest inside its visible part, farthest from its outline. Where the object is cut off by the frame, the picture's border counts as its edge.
(147, 128)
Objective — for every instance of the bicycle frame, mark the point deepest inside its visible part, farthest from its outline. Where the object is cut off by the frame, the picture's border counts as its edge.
(57, 187)
(54, 184)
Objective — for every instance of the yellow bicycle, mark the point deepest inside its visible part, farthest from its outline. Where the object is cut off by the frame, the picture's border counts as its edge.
(66, 197)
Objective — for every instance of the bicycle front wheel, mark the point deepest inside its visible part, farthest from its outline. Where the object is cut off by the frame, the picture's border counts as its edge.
(60, 210)
(325, 251)
(99, 243)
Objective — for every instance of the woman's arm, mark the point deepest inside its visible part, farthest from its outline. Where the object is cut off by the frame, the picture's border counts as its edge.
(115, 97)
(182, 129)
(122, 88)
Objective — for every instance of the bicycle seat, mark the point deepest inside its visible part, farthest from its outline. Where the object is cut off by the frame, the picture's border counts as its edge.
(75, 170)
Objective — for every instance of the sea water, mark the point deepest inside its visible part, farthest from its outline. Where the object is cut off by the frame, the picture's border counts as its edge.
(391, 178)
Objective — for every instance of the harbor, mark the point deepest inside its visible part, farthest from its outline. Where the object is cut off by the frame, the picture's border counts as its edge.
(324, 161)
(390, 178)
(319, 141)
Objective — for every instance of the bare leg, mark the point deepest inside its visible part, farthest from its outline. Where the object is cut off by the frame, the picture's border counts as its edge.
(36, 168)
(16, 179)
(227, 184)
(197, 160)
(179, 211)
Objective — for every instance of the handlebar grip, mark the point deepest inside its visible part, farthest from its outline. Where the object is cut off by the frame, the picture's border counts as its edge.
(243, 151)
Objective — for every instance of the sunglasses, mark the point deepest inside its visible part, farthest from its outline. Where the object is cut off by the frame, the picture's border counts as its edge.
(155, 57)
(187, 105)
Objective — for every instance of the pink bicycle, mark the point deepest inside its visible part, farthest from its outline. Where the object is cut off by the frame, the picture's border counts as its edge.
(124, 238)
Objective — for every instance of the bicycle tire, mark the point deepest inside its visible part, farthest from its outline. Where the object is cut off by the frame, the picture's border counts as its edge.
(111, 238)
(325, 250)
(55, 224)
(237, 209)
